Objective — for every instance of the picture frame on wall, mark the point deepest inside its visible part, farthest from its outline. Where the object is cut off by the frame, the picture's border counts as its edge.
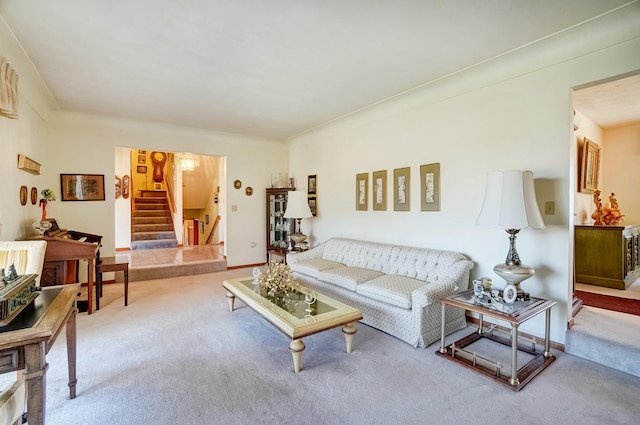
(312, 184)
(590, 167)
(430, 187)
(362, 191)
(141, 169)
(401, 189)
(313, 205)
(142, 159)
(380, 190)
(82, 187)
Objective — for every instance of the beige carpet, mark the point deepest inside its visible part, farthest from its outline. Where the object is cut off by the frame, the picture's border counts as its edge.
(177, 355)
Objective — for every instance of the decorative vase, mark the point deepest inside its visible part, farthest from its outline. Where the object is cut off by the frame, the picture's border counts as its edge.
(44, 211)
(41, 226)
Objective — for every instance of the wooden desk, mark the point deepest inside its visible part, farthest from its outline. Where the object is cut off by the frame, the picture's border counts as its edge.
(25, 342)
(58, 257)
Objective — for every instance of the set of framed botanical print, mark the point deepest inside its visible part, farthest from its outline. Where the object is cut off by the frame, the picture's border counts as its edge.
(401, 189)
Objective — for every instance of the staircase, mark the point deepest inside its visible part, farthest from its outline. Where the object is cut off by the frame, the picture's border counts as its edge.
(151, 224)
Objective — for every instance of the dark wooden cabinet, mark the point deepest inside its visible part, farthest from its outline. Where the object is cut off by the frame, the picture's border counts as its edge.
(607, 255)
(279, 228)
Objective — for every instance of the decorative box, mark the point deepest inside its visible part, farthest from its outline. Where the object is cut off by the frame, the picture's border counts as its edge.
(15, 296)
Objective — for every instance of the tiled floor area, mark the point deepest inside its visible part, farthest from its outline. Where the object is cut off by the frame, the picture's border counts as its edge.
(171, 256)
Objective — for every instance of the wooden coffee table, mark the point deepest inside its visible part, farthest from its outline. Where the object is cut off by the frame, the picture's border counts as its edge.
(293, 319)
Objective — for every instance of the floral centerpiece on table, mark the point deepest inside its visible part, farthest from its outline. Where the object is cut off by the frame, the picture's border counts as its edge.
(48, 195)
(276, 280)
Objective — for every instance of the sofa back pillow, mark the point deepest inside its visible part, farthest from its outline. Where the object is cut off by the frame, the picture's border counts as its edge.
(418, 263)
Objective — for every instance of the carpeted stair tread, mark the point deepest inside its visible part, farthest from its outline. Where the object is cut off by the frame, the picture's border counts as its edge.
(606, 337)
(167, 271)
(151, 223)
(154, 244)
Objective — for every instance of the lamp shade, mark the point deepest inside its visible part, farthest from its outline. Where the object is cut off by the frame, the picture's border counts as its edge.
(510, 201)
(297, 205)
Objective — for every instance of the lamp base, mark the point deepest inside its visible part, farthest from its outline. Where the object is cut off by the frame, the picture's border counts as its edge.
(514, 275)
(297, 239)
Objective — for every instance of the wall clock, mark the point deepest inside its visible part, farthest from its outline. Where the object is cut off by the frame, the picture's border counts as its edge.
(158, 159)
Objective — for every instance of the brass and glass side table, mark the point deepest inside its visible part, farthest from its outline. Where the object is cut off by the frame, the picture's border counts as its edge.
(515, 314)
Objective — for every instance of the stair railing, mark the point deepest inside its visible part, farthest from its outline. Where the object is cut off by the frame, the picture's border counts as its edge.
(213, 230)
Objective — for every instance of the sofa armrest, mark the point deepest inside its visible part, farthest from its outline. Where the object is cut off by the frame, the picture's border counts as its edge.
(432, 292)
(296, 257)
(457, 282)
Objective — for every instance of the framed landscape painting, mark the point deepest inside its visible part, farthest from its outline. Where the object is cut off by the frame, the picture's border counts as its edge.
(82, 187)
(590, 167)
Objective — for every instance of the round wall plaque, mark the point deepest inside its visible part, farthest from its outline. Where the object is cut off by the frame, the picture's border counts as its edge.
(248, 191)
(237, 184)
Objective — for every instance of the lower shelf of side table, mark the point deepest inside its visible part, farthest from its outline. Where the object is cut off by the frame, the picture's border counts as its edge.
(481, 365)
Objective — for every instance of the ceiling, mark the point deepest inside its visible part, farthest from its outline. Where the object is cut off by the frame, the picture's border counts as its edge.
(270, 69)
(610, 104)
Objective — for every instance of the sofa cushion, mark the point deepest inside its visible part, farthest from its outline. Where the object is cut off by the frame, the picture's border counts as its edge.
(391, 289)
(348, 277)
(313, 266)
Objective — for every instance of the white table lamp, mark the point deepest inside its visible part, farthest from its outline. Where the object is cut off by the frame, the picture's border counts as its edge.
(297, 208)
(510, 202)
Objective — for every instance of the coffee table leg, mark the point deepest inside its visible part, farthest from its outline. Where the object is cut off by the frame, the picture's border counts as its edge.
(296, 347)
(230, 298)
(349, 331)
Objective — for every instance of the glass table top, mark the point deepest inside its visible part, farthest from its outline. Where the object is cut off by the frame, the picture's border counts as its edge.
(469, 299)
(293, 315)
(293, 303)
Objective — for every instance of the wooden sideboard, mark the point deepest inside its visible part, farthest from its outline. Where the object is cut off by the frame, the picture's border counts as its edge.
(607, 255)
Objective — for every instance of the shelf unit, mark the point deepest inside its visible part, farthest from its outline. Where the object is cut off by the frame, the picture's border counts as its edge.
(279, 228)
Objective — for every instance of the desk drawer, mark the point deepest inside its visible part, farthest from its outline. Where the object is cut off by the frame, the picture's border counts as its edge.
(10, 360)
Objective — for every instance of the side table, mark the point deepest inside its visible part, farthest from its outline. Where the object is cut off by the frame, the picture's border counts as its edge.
(515, 314)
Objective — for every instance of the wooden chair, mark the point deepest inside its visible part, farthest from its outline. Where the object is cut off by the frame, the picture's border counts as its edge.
(27, 256)
(12, 402)
(110, 264)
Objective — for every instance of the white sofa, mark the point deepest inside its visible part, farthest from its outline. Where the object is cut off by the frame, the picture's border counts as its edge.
(396, 288)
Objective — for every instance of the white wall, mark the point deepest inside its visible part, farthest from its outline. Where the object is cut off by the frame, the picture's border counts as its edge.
(584, 205)
(621, 170)
(122, 208)
(26, 135)
(514, 112)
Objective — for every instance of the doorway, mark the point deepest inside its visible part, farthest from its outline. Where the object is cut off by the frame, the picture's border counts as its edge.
(607, 113)
(193, 184)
